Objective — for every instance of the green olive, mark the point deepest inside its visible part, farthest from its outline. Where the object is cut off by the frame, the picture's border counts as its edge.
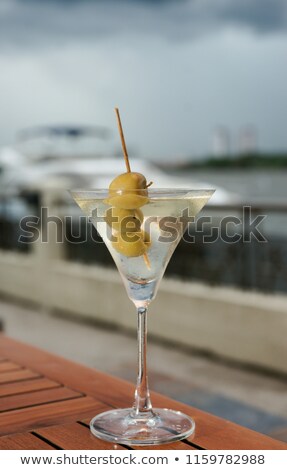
(130, 244)
(128, 191)
(124, 220)
(130, 181)
(127, 201)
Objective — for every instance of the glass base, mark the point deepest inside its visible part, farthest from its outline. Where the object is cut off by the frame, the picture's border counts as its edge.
(151, 428)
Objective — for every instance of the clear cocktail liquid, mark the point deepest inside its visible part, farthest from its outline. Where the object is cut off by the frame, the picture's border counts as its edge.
(165, 218)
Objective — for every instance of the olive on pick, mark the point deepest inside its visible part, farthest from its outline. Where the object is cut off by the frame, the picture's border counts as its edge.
(124, 220)
(132, 245)
(127, 201)
(128, 191)
(129, 181)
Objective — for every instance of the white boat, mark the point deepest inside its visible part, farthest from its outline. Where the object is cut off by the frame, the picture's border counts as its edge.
(24, 175)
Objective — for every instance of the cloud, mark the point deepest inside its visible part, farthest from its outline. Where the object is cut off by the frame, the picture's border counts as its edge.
(263, 15)
(49, 22)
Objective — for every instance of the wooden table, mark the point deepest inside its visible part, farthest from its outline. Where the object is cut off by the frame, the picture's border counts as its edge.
(46, 402)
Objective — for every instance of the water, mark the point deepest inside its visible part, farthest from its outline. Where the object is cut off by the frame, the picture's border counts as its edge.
(254, 187)
(258, 185)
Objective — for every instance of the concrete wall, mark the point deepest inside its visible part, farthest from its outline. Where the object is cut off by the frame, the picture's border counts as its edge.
(243, 326)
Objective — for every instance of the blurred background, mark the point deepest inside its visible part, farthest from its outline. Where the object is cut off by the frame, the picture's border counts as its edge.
(201, 86)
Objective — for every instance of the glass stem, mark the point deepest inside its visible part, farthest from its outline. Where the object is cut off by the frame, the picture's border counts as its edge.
(142, 403)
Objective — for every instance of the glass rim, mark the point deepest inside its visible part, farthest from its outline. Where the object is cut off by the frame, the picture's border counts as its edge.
(151, 191)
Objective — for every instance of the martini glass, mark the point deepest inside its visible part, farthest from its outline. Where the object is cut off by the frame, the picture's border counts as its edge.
(164, 217)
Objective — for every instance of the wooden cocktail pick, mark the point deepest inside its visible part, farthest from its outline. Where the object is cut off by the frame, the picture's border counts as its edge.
(127, 162)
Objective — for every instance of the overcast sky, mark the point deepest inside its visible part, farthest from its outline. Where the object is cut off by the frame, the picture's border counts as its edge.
(176, 69)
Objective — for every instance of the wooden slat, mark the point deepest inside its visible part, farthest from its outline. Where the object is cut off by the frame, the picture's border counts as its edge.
(216, 433)
(179, 445)
(25, 386)
(211, 432)
(74, 436)
(66, 372)
(23, 442)
(8, 366)
(36, 398)
(29, 419)
(16, 376)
